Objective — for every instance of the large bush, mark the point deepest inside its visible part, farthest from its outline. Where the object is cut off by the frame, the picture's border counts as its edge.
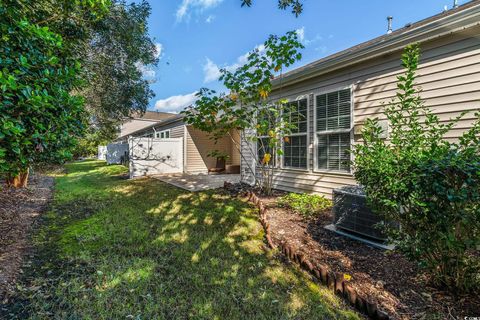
(39, 117)
(427, 183)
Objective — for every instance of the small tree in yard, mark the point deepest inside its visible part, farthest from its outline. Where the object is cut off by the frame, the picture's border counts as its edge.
(429, 185)
(247, 106)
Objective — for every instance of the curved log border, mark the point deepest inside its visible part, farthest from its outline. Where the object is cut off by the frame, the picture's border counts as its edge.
(333, 281)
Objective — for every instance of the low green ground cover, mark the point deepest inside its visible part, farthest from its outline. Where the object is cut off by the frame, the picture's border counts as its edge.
(308, 205)
(112, 248)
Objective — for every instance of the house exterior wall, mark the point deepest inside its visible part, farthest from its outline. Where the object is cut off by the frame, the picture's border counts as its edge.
(198, 146)
(235, 153)
(176, 129)
(449, 74)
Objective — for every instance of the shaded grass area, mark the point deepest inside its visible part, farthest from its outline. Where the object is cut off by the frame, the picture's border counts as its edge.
(112, 248)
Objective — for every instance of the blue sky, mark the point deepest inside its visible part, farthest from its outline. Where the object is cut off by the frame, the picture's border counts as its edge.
(197, 37)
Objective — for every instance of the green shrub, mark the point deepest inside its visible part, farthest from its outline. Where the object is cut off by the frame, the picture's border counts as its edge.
(305, 204)
(429, 185)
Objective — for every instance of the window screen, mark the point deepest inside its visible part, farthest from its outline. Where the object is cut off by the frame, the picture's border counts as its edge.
(295, 145)
(333, 111)
(296, 114)
(333, 152)
(334, 123)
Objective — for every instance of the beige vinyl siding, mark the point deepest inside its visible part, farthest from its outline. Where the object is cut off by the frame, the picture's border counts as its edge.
(449, 75)
(198, 146)
(235, 158)
(176, 129)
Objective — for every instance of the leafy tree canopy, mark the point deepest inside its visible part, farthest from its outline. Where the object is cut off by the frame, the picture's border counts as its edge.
(118, 47)
(110, 39)
(295, 5)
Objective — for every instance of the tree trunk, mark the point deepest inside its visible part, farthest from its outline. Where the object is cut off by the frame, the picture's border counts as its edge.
(18, 181)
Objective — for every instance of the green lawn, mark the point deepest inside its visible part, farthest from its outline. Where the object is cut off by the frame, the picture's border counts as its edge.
(112, 248)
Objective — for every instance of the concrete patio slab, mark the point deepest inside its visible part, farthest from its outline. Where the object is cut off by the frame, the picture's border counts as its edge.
(198, 182)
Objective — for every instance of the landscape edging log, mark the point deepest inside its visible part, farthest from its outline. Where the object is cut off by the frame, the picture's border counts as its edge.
(335, 282)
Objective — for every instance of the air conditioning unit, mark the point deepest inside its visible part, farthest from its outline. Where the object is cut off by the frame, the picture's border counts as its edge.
(352, 214)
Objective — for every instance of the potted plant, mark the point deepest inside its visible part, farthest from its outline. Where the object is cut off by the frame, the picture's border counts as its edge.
(221, 158)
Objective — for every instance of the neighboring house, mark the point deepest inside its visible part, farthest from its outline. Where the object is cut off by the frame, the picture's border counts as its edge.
(139, 121)
(196, 144)
(335, 95)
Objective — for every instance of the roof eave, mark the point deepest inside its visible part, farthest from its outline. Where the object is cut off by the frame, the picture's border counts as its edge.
(447, 25)
(160, 123)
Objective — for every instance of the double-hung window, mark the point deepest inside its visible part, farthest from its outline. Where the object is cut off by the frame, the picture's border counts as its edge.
(165, 134)
(333, 130)
(295, 146)
(266, 119)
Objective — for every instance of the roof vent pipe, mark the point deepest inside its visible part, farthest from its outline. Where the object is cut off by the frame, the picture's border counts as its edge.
(455, 4)
(389, 19)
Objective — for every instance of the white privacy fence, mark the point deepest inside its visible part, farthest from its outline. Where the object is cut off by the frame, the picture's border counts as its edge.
(149, 156)
(102, 153)
(117, 153)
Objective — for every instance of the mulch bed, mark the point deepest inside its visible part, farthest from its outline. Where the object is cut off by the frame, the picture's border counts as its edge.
(19, 210)
(386, 278)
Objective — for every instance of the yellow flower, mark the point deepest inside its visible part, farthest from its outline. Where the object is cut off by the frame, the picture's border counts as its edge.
(266, 158)
(271, 133)
(286, 139)
(347, 277)
(263, 94)
(233, 96)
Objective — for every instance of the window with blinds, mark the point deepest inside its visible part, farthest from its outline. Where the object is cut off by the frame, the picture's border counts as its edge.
(333, 123)
(334, 111)
(295, 145)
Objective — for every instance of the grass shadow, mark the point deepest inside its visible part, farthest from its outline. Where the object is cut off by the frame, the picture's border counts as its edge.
(141, 249)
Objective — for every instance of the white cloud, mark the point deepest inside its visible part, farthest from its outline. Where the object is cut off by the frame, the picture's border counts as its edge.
(158, 50)
(301, 34)
(210, 19)
(212, 70)
(302, 37)
(183, 11)
(176, 104)
(147, 72)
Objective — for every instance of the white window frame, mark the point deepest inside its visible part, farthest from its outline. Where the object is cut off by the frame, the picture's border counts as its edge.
(307, 134)
(327, 132)
(158, 134)
(274, 158)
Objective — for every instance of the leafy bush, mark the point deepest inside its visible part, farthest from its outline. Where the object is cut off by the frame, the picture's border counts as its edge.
(429, 185)
(40, 115)
(305, 204)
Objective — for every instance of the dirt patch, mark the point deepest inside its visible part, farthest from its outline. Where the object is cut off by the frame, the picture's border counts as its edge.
(387, 278)
(19, 210)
